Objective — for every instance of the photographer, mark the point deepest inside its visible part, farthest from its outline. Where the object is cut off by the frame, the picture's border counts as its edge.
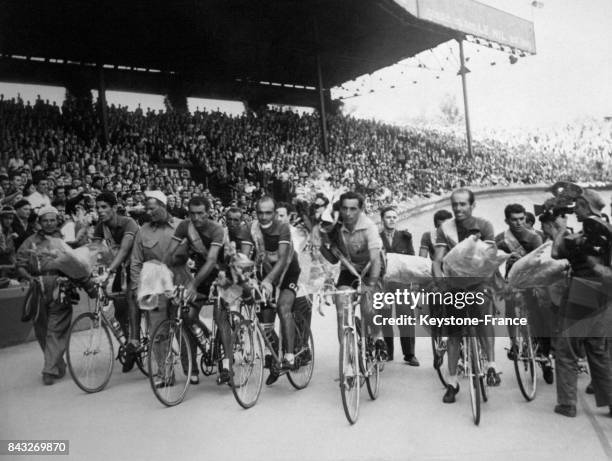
(586, 305)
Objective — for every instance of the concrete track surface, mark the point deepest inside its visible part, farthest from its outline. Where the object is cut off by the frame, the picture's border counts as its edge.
(408, 421)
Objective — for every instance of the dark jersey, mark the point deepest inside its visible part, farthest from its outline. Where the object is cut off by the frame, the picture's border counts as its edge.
(211, 235)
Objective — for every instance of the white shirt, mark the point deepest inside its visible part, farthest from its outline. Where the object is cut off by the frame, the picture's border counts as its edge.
(37, 200)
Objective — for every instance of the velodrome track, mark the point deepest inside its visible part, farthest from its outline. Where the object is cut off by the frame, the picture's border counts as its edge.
(408, 421)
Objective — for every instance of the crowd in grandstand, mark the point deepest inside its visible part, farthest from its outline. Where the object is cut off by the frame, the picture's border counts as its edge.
(236, 159)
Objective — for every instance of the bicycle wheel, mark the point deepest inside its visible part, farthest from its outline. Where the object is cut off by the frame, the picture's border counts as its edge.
(525, 364)
(90, 353)
(304, 356)
(372, 371)
(169, 363)
(439, 351)
(143, 354)
(349, 375)
(482, 377)
(246, 363)
(471, 368)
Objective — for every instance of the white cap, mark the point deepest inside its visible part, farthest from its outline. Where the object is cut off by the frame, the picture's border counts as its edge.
(157, 194)
(46, 210)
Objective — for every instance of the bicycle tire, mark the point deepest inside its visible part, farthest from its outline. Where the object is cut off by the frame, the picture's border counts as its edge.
(372, 376)
(482, 373)
(169, 363)
(145, 333)
(90, 353)
(246, 364)
(349, 382)
(525, 364)
(438, 358)
(301, 377)
(471, 366)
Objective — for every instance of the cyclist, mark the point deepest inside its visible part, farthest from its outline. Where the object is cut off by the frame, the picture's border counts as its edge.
(449, 234)
(118, 232)
(518, 240)
(301, 303)
(280, 269)
(238, 232)
(357, 238)
(201, 239)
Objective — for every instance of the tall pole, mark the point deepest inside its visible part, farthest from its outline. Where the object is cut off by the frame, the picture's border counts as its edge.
(102, 105)
(322, 114)
(463, 71)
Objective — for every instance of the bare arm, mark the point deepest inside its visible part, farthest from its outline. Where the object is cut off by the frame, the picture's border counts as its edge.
(376, 266)
(281, 264)
(209, 265)
(124, 251)
(437, 262)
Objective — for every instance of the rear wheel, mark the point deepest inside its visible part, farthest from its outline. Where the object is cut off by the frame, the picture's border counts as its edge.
(525, 363)
(349, 375)
(373, 370)
(246, 363)
(145, 333)
(304, 356)
(471, 368)
(169, 363)
(90, 352)
(438, 348)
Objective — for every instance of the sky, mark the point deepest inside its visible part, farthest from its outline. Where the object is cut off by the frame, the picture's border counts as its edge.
(569, 77)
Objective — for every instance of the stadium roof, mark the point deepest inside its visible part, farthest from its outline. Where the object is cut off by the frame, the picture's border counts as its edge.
(215, 48)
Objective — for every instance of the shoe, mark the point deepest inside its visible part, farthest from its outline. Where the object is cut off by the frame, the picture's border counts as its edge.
(48, 379)
(513, 352)
(223, 377)
(289, 366)
(566, 410)
(493, 378)
(160, 382)
(547, 373)
(451, 392)
(62, 371)
(194, 379)
(272, 377)
(589, 389)
(381, 349)
(412, 361)
(305, 357)
(130, 357)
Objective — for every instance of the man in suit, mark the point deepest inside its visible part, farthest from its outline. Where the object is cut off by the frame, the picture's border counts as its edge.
(398, 241)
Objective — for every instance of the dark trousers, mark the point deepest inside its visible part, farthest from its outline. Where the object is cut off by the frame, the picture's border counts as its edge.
(406, 332)
(592, 333)
(51, 329)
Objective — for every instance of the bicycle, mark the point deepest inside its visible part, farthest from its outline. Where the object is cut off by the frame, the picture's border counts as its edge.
(525, 352)
(473, 364)
(90, 350)
(170, 360)
(359, 362)
(301, 374)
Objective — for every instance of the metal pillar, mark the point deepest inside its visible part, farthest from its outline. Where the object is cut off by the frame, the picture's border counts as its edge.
(462, 71)
(322, 113)
(103, 112)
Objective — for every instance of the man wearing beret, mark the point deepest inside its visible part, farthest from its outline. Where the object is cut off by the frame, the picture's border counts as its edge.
(53, 322)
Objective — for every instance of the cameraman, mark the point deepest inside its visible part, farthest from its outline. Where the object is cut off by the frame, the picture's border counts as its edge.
(587, 312)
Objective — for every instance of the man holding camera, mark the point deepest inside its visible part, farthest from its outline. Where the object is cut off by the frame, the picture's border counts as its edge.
(586, 306)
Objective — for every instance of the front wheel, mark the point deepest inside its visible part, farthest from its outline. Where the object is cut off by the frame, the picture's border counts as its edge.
(349, 375)
(246, 363)
(90, 352)
(471, 368)
(169, 363)
(525, 364)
